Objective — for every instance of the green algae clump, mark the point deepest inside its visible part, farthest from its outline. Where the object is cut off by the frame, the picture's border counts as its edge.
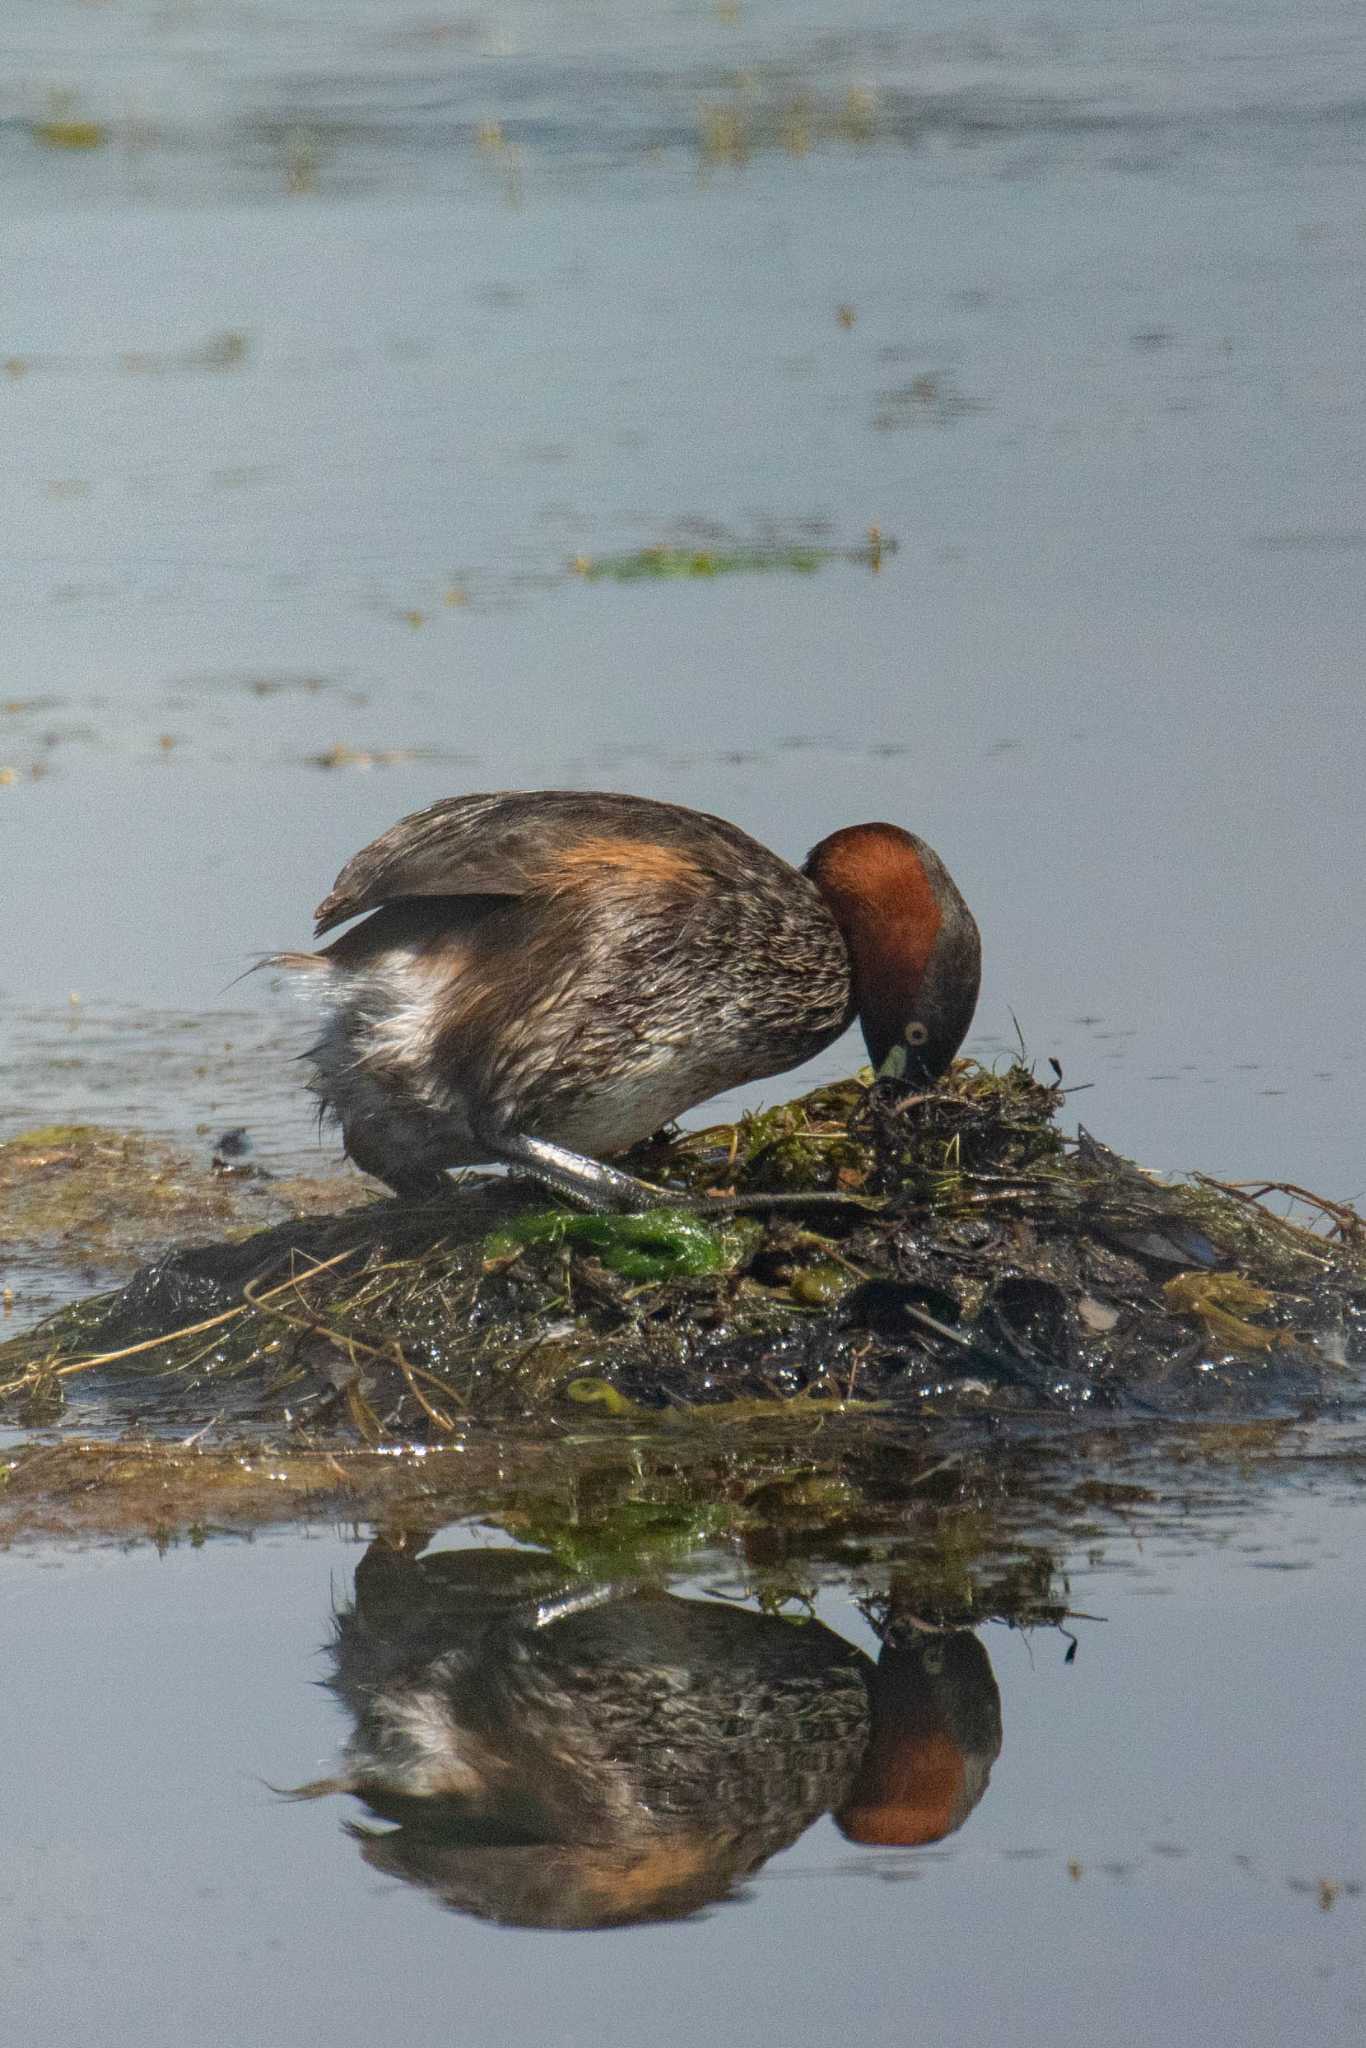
(657, 1244)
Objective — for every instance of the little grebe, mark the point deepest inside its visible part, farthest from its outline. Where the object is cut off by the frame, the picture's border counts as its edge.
(546, 975)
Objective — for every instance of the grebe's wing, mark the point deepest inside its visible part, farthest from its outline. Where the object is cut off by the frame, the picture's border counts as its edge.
(511, 842)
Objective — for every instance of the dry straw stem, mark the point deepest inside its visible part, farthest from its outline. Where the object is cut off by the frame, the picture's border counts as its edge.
(1345, 1224)
(43, 1369)
(388, 1354)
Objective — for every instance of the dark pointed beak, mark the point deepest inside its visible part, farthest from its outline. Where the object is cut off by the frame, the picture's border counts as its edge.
(906, 1061)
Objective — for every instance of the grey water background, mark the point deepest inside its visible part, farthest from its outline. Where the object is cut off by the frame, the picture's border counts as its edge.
(330, 336)
(363, 321)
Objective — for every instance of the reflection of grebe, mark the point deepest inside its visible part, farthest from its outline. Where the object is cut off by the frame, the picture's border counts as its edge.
(549, 974)
(604, 1757)
(936, 1734)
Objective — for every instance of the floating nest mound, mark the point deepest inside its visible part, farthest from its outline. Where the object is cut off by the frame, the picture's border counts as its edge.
(855, 1250)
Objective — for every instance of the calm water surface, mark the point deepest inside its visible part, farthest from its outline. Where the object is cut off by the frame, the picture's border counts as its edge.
(333, 336)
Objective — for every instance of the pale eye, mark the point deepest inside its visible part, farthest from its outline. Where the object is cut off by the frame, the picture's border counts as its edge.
(916, 1034)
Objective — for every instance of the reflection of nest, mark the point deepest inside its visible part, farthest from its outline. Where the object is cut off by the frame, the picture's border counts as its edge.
(598, 1756)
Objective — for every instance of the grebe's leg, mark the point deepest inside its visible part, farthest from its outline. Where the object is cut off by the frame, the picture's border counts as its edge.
(417, 1186)
(409, 1180)
(592, 1184)
(589, 1183)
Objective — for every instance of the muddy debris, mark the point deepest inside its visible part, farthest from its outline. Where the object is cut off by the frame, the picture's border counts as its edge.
(878, 1255)
(79, 1198)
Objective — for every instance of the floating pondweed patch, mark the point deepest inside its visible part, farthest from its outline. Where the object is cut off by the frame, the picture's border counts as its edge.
(857, 1252)
(756, 118)
(666, 563)
(66, 127)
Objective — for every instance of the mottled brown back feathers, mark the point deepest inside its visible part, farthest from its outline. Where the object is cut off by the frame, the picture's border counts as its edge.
(634, 863)
(510, 842)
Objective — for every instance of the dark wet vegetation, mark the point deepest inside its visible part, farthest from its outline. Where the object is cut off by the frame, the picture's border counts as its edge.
(856, 1253)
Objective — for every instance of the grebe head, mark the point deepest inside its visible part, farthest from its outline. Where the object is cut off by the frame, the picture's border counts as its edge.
(914, 948)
